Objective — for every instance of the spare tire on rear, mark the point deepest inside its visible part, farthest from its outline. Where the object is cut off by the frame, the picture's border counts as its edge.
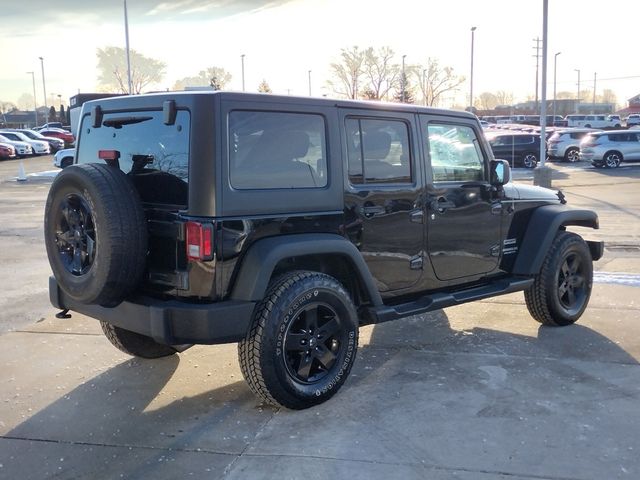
(95, 234)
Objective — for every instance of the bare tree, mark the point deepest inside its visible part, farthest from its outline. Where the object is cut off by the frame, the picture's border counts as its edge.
(347, 74)
(216, 77)
(486, 101)
(264, 87)
(380, 73)
(504, 98)
(608, 96)
(435, 81)
(112, 64)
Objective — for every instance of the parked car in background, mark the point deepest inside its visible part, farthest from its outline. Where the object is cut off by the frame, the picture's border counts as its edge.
(609, 149)
(50, 125)
(519, 149)
(23, 149)
(633, 119)
(565, 144)
(593, 121)
(64, 158)
(69, 139)
(39, 147)
(7, 151)
(54, 143)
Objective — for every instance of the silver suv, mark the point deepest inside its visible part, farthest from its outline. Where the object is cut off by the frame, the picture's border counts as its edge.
(565, 144)
(633, 119)
(609, 149)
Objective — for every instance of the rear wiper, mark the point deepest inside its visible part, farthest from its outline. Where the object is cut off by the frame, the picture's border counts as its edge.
(119, 122)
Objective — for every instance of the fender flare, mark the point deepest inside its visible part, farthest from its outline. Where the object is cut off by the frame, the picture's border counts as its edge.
(264, 255)
(543, 226)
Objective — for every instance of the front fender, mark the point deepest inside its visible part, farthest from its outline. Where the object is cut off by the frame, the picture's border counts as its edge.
(264, 255)
(543, 226)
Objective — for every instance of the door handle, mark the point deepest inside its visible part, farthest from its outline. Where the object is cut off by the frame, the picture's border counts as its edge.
(371, 210)
(441, 204)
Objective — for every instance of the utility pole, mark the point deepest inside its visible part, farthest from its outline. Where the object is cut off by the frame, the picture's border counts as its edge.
(473, 37)
(578, 99)
(404, 81)
(126, 37)
(537, 55)
(242, 60)
(309, 72)
(593, 104)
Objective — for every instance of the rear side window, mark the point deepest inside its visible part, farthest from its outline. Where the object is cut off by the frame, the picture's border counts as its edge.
(277, 150)
(155, 155)
(378, 151)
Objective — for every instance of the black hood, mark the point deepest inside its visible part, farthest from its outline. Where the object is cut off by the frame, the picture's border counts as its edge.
(521, 191)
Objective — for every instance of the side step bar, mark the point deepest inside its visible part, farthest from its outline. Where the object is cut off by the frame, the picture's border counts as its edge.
(436, 301)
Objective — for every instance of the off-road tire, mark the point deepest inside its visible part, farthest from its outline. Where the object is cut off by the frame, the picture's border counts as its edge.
(267, 359)
(95, 234)
(135, 344)
(549, 298)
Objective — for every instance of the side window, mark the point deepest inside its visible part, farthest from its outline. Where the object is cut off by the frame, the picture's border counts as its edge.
(455, 153)
(277, 150)
(378, 151)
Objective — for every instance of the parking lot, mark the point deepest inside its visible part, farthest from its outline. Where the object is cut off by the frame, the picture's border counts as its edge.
(479, 391)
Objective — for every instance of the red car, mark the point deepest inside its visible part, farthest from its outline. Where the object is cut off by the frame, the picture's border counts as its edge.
(68, 138)
(7, 151)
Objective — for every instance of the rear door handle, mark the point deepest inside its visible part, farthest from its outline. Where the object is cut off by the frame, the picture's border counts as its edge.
(442, 204)
(371, 210)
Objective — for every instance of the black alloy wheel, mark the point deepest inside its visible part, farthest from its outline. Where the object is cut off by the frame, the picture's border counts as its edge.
(75, 235)
(572, 283)
(302, 342)
(314, 340)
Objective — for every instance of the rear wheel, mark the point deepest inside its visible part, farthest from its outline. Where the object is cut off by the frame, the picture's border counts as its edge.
(572, 155)
(530, 160)
(302, 342)
(612, 159)
(135, 344)
(561, 291)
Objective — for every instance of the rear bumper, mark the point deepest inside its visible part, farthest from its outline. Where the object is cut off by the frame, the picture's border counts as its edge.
(168, 322)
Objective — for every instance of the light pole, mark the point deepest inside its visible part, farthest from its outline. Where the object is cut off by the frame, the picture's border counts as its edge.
(578, 99)
(404, 81)
(555, 64)
(35, 102)
(242, 61)
(473, 37)
(309, 72)
(424, 85)
(44, 87)
(126, 36)
(593, 107)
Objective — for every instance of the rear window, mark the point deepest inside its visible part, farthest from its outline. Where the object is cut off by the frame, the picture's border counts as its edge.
(155, 155)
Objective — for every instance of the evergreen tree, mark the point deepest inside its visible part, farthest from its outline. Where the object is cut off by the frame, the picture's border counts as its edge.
(52, 114)
(408, 90)
(63, 115)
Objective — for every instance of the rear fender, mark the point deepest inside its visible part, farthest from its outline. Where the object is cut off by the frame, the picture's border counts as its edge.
(263, 256)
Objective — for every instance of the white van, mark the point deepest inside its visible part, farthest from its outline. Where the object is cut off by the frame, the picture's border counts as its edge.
(593, 121)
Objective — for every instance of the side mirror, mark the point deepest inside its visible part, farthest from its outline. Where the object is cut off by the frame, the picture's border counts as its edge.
(500, 172)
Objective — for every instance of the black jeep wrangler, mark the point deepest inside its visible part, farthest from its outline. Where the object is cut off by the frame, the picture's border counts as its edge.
(285, 223)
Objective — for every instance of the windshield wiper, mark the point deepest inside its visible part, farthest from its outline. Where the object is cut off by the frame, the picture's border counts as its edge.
(119, 122)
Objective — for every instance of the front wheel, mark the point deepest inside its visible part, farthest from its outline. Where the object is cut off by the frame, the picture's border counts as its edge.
(530, 160)
(572, 155)
(302, 342)
(561, 291)
(612, 160)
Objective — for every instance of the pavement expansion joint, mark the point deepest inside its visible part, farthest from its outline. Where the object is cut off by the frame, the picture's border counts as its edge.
(35, 332)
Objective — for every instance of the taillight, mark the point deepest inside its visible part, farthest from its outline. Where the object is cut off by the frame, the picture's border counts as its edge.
(199, 241)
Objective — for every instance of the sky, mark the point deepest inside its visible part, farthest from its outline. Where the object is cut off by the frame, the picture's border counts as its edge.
(283, 39)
